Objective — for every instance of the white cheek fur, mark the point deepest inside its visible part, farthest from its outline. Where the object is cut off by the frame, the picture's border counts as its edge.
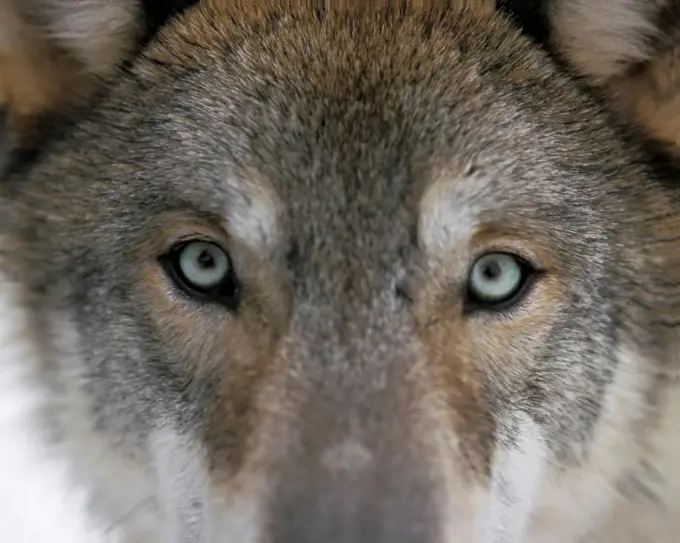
(38, 503)
(516, 474)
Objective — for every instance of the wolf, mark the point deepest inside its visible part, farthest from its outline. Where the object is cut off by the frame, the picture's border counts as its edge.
(368, 272)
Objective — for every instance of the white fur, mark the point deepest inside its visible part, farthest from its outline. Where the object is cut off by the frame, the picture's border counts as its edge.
(347, 456)
(38, 502)
(517, 472)
(253, 214)
(182, 484)
(583, 502)
(446, 215)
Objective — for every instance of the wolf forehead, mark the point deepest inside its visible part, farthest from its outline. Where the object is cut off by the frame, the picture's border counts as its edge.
(338, 130)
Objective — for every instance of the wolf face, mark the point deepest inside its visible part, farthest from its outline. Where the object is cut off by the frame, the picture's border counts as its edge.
(355, 273)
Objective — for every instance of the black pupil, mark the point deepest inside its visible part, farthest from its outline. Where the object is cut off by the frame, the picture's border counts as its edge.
(492, 270)
(206, 260)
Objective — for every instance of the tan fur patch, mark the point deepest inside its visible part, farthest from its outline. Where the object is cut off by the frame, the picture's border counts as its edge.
(463, 386)
(651, 95)
(460, 366)
(205, 337)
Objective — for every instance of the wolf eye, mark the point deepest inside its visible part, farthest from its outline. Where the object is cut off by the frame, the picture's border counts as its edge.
(203, 270)
(497, 279)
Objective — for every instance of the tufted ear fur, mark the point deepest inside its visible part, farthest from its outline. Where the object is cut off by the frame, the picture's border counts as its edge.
(55, 53)
(631, 50)
(628, 49)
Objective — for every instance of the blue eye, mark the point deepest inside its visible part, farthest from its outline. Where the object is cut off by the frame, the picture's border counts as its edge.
(497, 278)
(203, 265)
(203, 270)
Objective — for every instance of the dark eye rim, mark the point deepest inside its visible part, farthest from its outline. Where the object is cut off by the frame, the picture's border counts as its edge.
(530, 275)
(226, 293)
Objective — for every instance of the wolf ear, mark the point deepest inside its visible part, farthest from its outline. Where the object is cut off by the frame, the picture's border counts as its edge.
(55, 53)
(630, 50)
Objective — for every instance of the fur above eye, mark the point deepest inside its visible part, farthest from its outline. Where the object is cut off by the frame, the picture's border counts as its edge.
(497, 280)
(204, 271)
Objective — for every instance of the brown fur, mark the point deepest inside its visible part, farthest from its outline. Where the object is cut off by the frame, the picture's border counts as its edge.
(354, 160)
(650, 96)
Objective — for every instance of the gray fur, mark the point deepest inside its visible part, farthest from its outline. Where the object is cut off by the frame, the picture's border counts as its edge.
(312, 143)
